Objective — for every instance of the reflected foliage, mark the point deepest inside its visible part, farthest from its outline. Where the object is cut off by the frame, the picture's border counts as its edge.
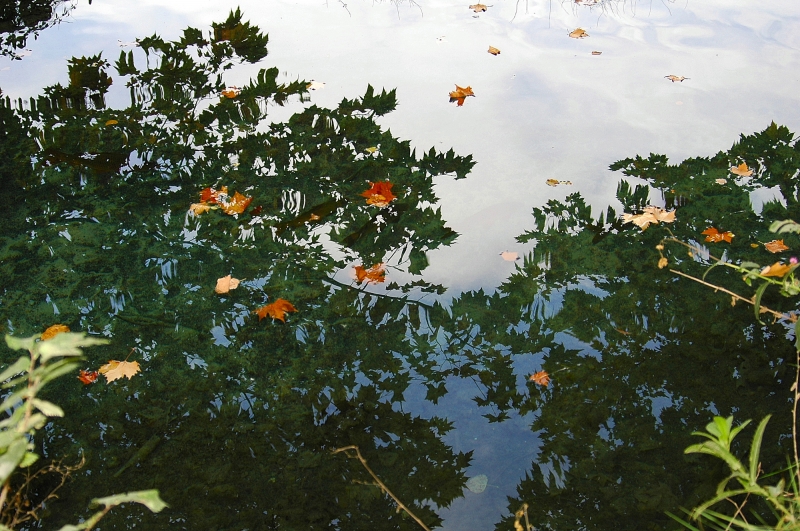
(639, 357)
(19, 19)
(233, 419)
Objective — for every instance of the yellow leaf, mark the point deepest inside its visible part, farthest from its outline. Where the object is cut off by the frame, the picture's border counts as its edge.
(674, 78)
(578, 33)
(276, 310)
(776, 270)
(53, 331)
(199, 208)
(114, 370)
(112, 122)
(493, 50)
(478, 7)
(649, 215)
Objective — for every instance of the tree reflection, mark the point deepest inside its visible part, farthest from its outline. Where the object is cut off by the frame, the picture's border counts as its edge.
(639, 357)
(238, 416)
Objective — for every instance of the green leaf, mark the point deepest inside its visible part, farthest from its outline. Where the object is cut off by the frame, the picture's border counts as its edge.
(48, 408)
(148, 498)
(10, 460)
(67, 344)
(787, 225)
(29, 459)
(757, 302)
(25, 343)
(21, 365)
(755, 449)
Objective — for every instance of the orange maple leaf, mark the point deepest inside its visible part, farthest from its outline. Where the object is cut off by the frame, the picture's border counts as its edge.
(374, 274)
(380, 193)
(88, 377)
(776, 270)
(460, 93)
(713, 235)
(742, 170)
(276, 310)
(114, 370)
(775, 246)
(540, 378)
(236, 204)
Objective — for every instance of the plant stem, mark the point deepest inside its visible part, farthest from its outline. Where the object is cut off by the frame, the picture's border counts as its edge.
(380, 483)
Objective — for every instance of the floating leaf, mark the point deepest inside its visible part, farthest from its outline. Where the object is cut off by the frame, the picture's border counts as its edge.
(88, 377)
(649, 215)
(578, 33)
(493, 50)
(742, 170)
(53, 331)
(225, 284)
(112, 122)
(315, 85)
(775, 246)
(675, 78)
(776, 270)
(555, 182)
(509, 256)
(199, 208)
(477, 484)
(713, 235)
(662, 262)
(114, 370)
(371, 150)
(596, 53)
(721, 181)
(460, 94)
(373, 275)
(478, 8)
(540, 378)
(276, 310)
(231, 205)
(231, 92)
(380, 194)
(236, 204)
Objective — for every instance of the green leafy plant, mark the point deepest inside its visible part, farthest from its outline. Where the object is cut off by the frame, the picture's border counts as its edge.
(743, 483)
(45, 361)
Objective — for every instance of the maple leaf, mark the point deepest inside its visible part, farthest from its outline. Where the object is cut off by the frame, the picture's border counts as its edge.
(276, 310)
(578, 33)
(713, 235)
(114, 370)
(88, 377)
(231, 92)
(236, 204)
(374, 275)
(380, 194)
(742, 170)
(478, 8)
(460, 94)
(53, 331)
(540, 378)
(649, 215)
(775, 246)
(225, 284)
(494, 51)
(776, 270)
(675, 78)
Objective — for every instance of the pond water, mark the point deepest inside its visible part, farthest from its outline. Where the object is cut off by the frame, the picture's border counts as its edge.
(428, 371)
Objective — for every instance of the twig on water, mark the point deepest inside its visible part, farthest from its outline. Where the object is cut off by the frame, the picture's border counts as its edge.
(378, 481)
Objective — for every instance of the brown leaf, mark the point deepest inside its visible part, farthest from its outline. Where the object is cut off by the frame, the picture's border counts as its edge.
(53, 331)
(379, 194)
(675, 78)
(199, 208)
(493, 50)
(578, 33)
(775, 246)
(460, 93)
(231, 92)
(373, 275)
(649, 215)
(114, 370)
(478, 8)
(715, 236)
(596, 53)
(276, 310)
